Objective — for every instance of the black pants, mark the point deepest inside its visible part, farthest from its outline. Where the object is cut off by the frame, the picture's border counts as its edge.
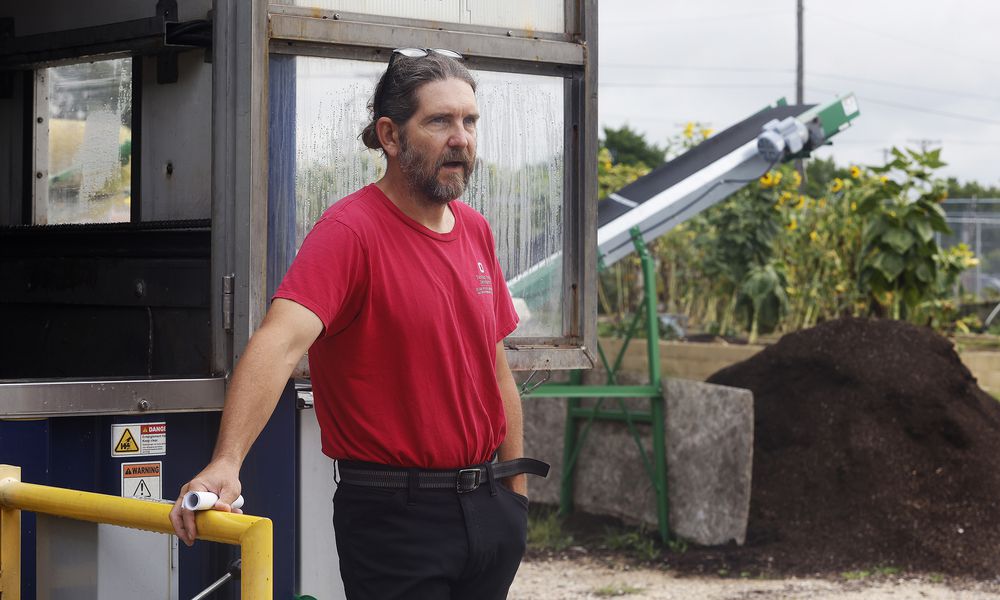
(429, 544)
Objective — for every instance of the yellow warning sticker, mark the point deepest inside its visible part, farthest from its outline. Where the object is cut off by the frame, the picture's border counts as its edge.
(139, 439)
(127, 444)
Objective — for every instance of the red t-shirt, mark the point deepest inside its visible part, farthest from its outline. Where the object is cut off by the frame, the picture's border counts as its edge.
(404, 373)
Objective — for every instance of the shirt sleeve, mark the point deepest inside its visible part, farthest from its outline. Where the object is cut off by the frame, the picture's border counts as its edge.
(329, 275)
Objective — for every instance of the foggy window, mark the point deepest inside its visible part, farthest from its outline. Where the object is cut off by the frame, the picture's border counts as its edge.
(85, 124)
(517, 184)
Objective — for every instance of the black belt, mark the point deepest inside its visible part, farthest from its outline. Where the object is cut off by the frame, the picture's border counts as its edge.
(460, 480)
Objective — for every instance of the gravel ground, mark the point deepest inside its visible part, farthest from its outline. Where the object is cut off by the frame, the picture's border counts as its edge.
(563, 579)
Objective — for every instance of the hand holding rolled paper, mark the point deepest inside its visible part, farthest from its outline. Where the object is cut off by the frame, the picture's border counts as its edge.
(206, 500)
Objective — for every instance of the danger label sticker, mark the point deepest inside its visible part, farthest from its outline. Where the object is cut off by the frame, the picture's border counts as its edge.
(139, 439)
(142, 480)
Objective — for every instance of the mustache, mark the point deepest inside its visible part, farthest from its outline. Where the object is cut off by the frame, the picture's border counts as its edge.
(460, 156)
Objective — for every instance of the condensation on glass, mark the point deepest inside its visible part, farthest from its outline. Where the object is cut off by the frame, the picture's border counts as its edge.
(517, 183)
(85, 118)
(528, 15)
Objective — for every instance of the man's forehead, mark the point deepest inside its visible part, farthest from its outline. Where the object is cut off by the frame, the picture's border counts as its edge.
(446, 95)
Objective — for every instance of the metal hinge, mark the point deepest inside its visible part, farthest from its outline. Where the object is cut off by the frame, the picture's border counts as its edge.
(228, 284)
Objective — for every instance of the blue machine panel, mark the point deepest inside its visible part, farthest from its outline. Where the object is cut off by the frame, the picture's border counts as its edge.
(75, 452)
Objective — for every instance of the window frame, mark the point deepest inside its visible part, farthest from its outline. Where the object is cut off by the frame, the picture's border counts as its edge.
(304, 31)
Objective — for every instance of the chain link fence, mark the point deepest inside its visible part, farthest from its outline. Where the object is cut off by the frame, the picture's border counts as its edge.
(975, 222)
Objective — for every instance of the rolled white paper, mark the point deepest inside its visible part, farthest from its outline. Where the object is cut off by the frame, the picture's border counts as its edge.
(206, 500)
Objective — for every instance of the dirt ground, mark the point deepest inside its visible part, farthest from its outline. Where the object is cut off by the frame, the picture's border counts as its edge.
(566, 579)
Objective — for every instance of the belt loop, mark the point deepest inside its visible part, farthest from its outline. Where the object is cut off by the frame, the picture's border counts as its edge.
(489, 475)
(336, 472)
(412, 482)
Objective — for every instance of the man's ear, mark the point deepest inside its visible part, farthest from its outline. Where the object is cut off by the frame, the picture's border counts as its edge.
(388, 135)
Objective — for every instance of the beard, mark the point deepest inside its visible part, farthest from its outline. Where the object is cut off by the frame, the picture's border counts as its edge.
(423, 175)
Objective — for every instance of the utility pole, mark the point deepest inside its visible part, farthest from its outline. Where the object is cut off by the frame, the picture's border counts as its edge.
(800, 68)
(924, 143)
(799, 76)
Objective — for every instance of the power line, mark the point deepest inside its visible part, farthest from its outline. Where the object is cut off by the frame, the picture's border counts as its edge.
(809, 73)
(922, 44)
(692, 68)
(946, 142)
(621, 84)
(902, 86)
(930, 111)
(669, 20)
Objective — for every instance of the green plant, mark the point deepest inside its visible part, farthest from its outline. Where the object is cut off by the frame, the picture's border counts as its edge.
(763, 292)
(677, 545)
(616, 589)
(785, 253)
(636, 542)
(856, 575)
(901, 265)
(873, 572)
(612, 176)
(546, 532)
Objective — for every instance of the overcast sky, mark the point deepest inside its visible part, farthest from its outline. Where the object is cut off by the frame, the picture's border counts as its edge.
(924, 71)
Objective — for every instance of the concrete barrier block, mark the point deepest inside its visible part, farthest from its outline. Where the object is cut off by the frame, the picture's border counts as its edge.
(709, 444)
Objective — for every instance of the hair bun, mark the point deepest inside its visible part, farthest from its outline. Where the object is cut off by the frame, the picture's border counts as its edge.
(369, 137)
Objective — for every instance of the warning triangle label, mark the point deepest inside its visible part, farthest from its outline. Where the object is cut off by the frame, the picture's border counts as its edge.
(127, 443)
(142, 491)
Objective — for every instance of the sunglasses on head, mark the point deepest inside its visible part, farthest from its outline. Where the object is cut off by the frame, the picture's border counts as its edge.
(422, 52)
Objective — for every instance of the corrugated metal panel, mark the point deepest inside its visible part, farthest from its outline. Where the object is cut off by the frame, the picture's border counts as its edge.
(531, 15)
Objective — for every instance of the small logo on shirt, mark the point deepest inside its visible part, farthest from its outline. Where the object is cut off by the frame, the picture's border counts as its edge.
(484, 285)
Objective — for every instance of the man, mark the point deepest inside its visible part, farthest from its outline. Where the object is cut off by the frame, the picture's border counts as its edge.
(399, 298)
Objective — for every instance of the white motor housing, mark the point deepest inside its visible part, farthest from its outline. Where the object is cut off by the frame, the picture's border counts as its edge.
(787, 136)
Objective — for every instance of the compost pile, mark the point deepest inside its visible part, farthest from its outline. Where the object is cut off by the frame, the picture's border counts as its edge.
(874, 447)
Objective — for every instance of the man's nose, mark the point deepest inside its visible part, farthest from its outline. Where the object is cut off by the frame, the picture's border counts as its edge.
(460, 138)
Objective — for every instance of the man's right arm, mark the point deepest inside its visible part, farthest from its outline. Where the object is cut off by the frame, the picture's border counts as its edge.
(260, 375)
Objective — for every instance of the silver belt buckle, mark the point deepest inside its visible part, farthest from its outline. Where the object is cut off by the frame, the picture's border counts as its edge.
(458, 480)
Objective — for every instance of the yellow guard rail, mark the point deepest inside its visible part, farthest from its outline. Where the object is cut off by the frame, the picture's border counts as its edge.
(251, 534)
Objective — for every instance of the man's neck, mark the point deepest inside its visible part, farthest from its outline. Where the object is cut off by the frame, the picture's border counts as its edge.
(433, 215)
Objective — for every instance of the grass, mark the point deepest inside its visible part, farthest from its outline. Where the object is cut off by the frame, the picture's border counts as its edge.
(616, 589)
(636, 542)
(866, 573)
(546, 532)
(550, 532)
(977, 342)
